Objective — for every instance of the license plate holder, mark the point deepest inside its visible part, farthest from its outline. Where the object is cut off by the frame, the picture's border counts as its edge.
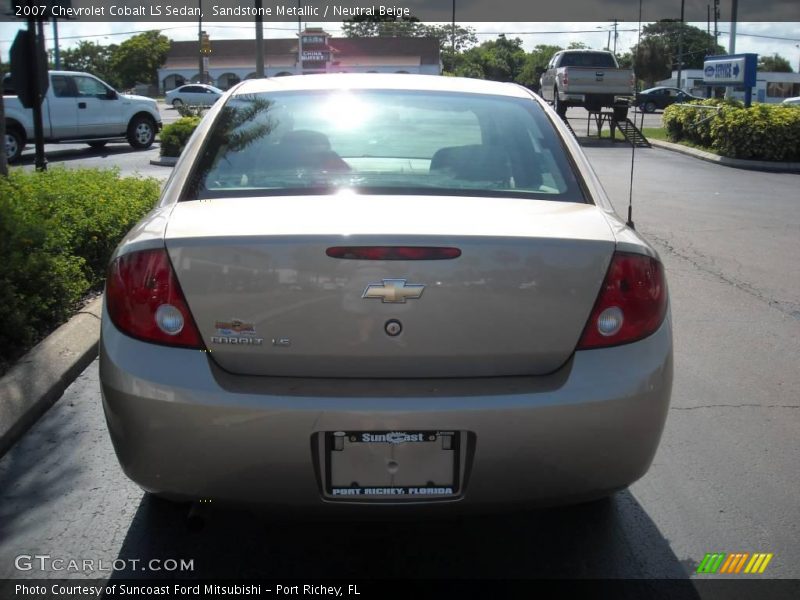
(392, 465)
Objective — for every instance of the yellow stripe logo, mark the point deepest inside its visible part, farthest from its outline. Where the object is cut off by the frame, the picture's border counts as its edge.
(734, 563)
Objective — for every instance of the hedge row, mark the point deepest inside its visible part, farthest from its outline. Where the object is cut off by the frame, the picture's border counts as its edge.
(57, 231)
(761, 132)
(175, 135)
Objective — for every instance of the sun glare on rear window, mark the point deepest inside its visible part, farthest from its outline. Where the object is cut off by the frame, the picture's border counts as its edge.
(382, 142)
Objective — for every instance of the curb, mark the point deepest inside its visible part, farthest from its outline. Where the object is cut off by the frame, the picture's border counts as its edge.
(165, 161)
(737, 163)
(40, 377)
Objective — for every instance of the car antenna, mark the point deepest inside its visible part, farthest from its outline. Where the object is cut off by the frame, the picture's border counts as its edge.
(629, 222)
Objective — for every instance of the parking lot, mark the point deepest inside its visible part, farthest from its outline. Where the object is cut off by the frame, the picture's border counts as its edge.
(724, 479)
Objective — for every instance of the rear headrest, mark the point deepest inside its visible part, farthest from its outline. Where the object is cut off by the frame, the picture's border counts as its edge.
(473, 163)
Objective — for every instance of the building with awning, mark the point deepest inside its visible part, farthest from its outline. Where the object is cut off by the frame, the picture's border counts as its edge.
(311, 51)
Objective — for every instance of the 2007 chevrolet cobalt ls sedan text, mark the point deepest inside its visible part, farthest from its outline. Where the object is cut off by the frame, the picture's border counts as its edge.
(363, 291)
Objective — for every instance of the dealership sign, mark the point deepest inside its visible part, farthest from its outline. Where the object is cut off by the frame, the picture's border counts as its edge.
(733, 69)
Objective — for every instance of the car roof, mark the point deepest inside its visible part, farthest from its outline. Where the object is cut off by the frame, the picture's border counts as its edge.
(380, 81)
(55, 72)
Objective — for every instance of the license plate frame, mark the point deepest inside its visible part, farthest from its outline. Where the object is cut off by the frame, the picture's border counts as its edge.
(358, 465)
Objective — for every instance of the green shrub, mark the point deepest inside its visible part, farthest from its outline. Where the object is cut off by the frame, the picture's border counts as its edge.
(186, 110)
(685, 122)
(57, 231)
(175, 135)
(762, 132)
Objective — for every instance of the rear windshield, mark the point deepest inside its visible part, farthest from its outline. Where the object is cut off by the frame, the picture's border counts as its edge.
(587, 59)
(387, 142)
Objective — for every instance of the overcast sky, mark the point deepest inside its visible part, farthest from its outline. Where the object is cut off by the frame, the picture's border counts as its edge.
(593, 34)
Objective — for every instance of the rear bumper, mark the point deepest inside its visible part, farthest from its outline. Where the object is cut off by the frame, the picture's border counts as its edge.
(606, 100)
(183, 428)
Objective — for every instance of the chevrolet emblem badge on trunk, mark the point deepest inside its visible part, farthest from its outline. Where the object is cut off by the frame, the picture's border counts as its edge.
(393, 290)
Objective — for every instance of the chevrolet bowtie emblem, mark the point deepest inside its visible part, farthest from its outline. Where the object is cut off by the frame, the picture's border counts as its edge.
(393, 290)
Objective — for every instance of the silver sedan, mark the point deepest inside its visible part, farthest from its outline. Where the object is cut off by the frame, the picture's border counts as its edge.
(193, 94)
(364, 292)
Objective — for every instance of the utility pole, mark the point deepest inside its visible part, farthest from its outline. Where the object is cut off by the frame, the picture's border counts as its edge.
(56, 52)
(716, 25)
(732, 40)
(259, 39)
(453, 31)
(36, 41)
(680, 46)
(616, 21)
(299, 42)
(3, 160)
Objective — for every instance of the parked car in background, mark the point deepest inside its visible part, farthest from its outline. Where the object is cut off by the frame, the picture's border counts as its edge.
(381, 293)
(792, 101)
(193, 94)
(661, 97)
(79, 107)
(589, 78)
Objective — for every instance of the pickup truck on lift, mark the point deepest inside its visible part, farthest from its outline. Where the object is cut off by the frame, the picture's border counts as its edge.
(588, 78)
(79, 107)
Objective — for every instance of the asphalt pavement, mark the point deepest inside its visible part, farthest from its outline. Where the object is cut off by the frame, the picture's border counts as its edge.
(724, 478)
(115, 154)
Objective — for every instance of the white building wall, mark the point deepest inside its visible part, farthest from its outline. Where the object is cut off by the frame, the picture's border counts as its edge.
(771, 88)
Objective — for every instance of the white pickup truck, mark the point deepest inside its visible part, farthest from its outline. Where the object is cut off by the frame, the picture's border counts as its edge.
(79, 107)
(588, 78)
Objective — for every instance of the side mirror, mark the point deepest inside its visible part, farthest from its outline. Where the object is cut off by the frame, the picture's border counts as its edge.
(112, 95)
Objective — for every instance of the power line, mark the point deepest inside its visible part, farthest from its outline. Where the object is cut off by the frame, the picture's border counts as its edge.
(546, 32)
(757, 35)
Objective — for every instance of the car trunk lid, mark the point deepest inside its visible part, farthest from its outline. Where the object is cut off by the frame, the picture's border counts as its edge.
(269, 300)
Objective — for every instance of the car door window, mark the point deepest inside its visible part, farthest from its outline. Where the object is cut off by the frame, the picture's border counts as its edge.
(62, 86)
(89, 87)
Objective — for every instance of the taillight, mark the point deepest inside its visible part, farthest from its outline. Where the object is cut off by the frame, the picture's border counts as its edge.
(145, 301)
(631, 304)
(565, 79)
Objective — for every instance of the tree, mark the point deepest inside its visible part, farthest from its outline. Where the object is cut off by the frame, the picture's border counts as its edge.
(657, 54)
(464, 39)
(652, 60)
(535, 64)
(499, 60)
(381, 26)
(137, 59)
(625, 60)
(450, 45)
(92, 58)
(774, 64)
